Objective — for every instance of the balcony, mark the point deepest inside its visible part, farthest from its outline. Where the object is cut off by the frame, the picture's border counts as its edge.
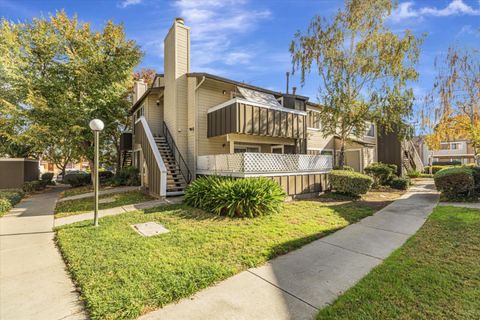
(263, 164)
(247, 117)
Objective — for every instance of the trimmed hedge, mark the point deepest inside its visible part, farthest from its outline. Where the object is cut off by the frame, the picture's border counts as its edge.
(435, 169)
(36, 185)
(455, 182)
(446, 163)
(9, 198)
(347, 168)
(400, 183)
(77, 179)
(350, 183)
(47, 176)
(381, 173)
(242, 197)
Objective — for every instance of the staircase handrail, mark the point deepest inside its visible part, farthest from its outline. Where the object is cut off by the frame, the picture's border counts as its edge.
(187, 175)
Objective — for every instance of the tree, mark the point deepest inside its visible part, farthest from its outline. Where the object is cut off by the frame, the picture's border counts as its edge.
(65, 75)
(363, 67)
(456, 97)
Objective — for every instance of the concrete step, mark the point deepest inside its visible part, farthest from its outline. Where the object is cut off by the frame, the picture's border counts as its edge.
(175, 193)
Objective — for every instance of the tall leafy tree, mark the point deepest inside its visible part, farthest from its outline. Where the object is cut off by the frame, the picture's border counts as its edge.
(67, 74)
(455, 98)
(363, 67)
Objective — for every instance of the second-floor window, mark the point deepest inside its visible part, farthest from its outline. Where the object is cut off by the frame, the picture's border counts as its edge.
(371, 130)
(313, 119)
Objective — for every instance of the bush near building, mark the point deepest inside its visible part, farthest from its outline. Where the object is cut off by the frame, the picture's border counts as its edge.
(350, 182)
(457, 182)
(381, 173)
(9, 198)
(243, 197)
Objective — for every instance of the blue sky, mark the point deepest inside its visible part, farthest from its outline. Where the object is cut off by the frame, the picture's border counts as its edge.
(248, 40)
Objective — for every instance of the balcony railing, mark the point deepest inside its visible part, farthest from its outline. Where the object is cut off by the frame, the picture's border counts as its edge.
(252, 164)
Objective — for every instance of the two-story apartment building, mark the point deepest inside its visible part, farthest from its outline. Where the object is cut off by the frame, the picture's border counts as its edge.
(460, 150)
(188, 124)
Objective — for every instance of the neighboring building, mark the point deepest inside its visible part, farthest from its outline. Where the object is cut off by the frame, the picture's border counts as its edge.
(14, 172)
(46, 166)
(460, 150)
(189, 124)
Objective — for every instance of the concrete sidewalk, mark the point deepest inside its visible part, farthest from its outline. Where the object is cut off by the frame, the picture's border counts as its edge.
(298, 284)
(101, 192)
(117, 210)
(33, 280)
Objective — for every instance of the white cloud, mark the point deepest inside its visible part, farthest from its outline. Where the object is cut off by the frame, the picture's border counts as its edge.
(215, 26)
(126, 3)
(406, 10)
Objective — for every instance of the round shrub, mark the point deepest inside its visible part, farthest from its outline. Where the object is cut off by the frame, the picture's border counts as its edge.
(400, 183)
(455, 182)
(13, 196)
(242, 197)
(47, 176)
(350, 183)
(381, 173)
(77, 179)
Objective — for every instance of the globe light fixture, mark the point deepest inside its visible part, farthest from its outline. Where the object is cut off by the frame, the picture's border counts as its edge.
(96, 125)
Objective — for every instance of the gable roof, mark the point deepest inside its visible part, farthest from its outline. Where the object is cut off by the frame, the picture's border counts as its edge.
(242, 84)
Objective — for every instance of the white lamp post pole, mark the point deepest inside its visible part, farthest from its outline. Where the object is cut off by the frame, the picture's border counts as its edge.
(96, 125)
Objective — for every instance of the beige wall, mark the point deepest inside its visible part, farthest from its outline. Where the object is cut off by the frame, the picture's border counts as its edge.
(154, 113)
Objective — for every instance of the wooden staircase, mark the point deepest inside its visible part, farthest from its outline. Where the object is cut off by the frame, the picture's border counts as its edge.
(126, 158)
(176, 183)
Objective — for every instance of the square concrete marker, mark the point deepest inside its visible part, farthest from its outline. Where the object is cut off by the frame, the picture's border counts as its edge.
(149, 229)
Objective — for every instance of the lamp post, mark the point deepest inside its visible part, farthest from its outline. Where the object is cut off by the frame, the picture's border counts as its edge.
(96, 125)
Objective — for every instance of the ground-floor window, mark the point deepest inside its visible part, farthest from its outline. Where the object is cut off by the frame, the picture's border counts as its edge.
(245, 148)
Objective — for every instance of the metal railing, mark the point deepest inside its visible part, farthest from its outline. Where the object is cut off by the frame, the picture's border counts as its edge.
(187, 175)
(157, 172)
(263, 163)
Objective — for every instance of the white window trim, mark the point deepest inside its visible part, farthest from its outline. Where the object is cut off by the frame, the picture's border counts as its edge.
(245, 146)
(278, 146)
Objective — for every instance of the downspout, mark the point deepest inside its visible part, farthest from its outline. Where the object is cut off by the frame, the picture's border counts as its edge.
(196, 126)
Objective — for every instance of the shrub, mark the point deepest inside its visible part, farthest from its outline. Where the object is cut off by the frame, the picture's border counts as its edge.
(13, 197)
(47, 176)
(9, 198)
(381, 173)
(5, 205)
(347, 168)
(400, 183)
(77, 179)
(435, 169)
(127, 176)
(243, 197)
(36, 185)
(350, 183)
(105, 176)
(446, 163)
(455, 182)
(413, 174)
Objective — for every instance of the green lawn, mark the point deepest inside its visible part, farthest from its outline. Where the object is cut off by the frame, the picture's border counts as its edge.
(122, 275)
(73, 207)
(80, 190)
(435, 275)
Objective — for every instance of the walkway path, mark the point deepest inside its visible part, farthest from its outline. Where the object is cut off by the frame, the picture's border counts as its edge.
(297, 285)
(117, 210)
(33, 280)
(101, 192)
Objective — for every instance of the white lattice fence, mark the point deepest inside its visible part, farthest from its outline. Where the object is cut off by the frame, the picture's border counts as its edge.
(264, 163)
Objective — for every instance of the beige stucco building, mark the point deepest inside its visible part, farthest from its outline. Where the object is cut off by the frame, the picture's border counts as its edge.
(188, 124)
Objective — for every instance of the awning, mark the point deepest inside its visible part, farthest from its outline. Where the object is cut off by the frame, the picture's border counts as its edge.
(260, 97)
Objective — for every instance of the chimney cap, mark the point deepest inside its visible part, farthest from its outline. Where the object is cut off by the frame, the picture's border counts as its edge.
(179, 20)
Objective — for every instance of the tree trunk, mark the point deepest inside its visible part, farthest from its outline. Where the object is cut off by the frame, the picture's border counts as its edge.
(341, 156)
